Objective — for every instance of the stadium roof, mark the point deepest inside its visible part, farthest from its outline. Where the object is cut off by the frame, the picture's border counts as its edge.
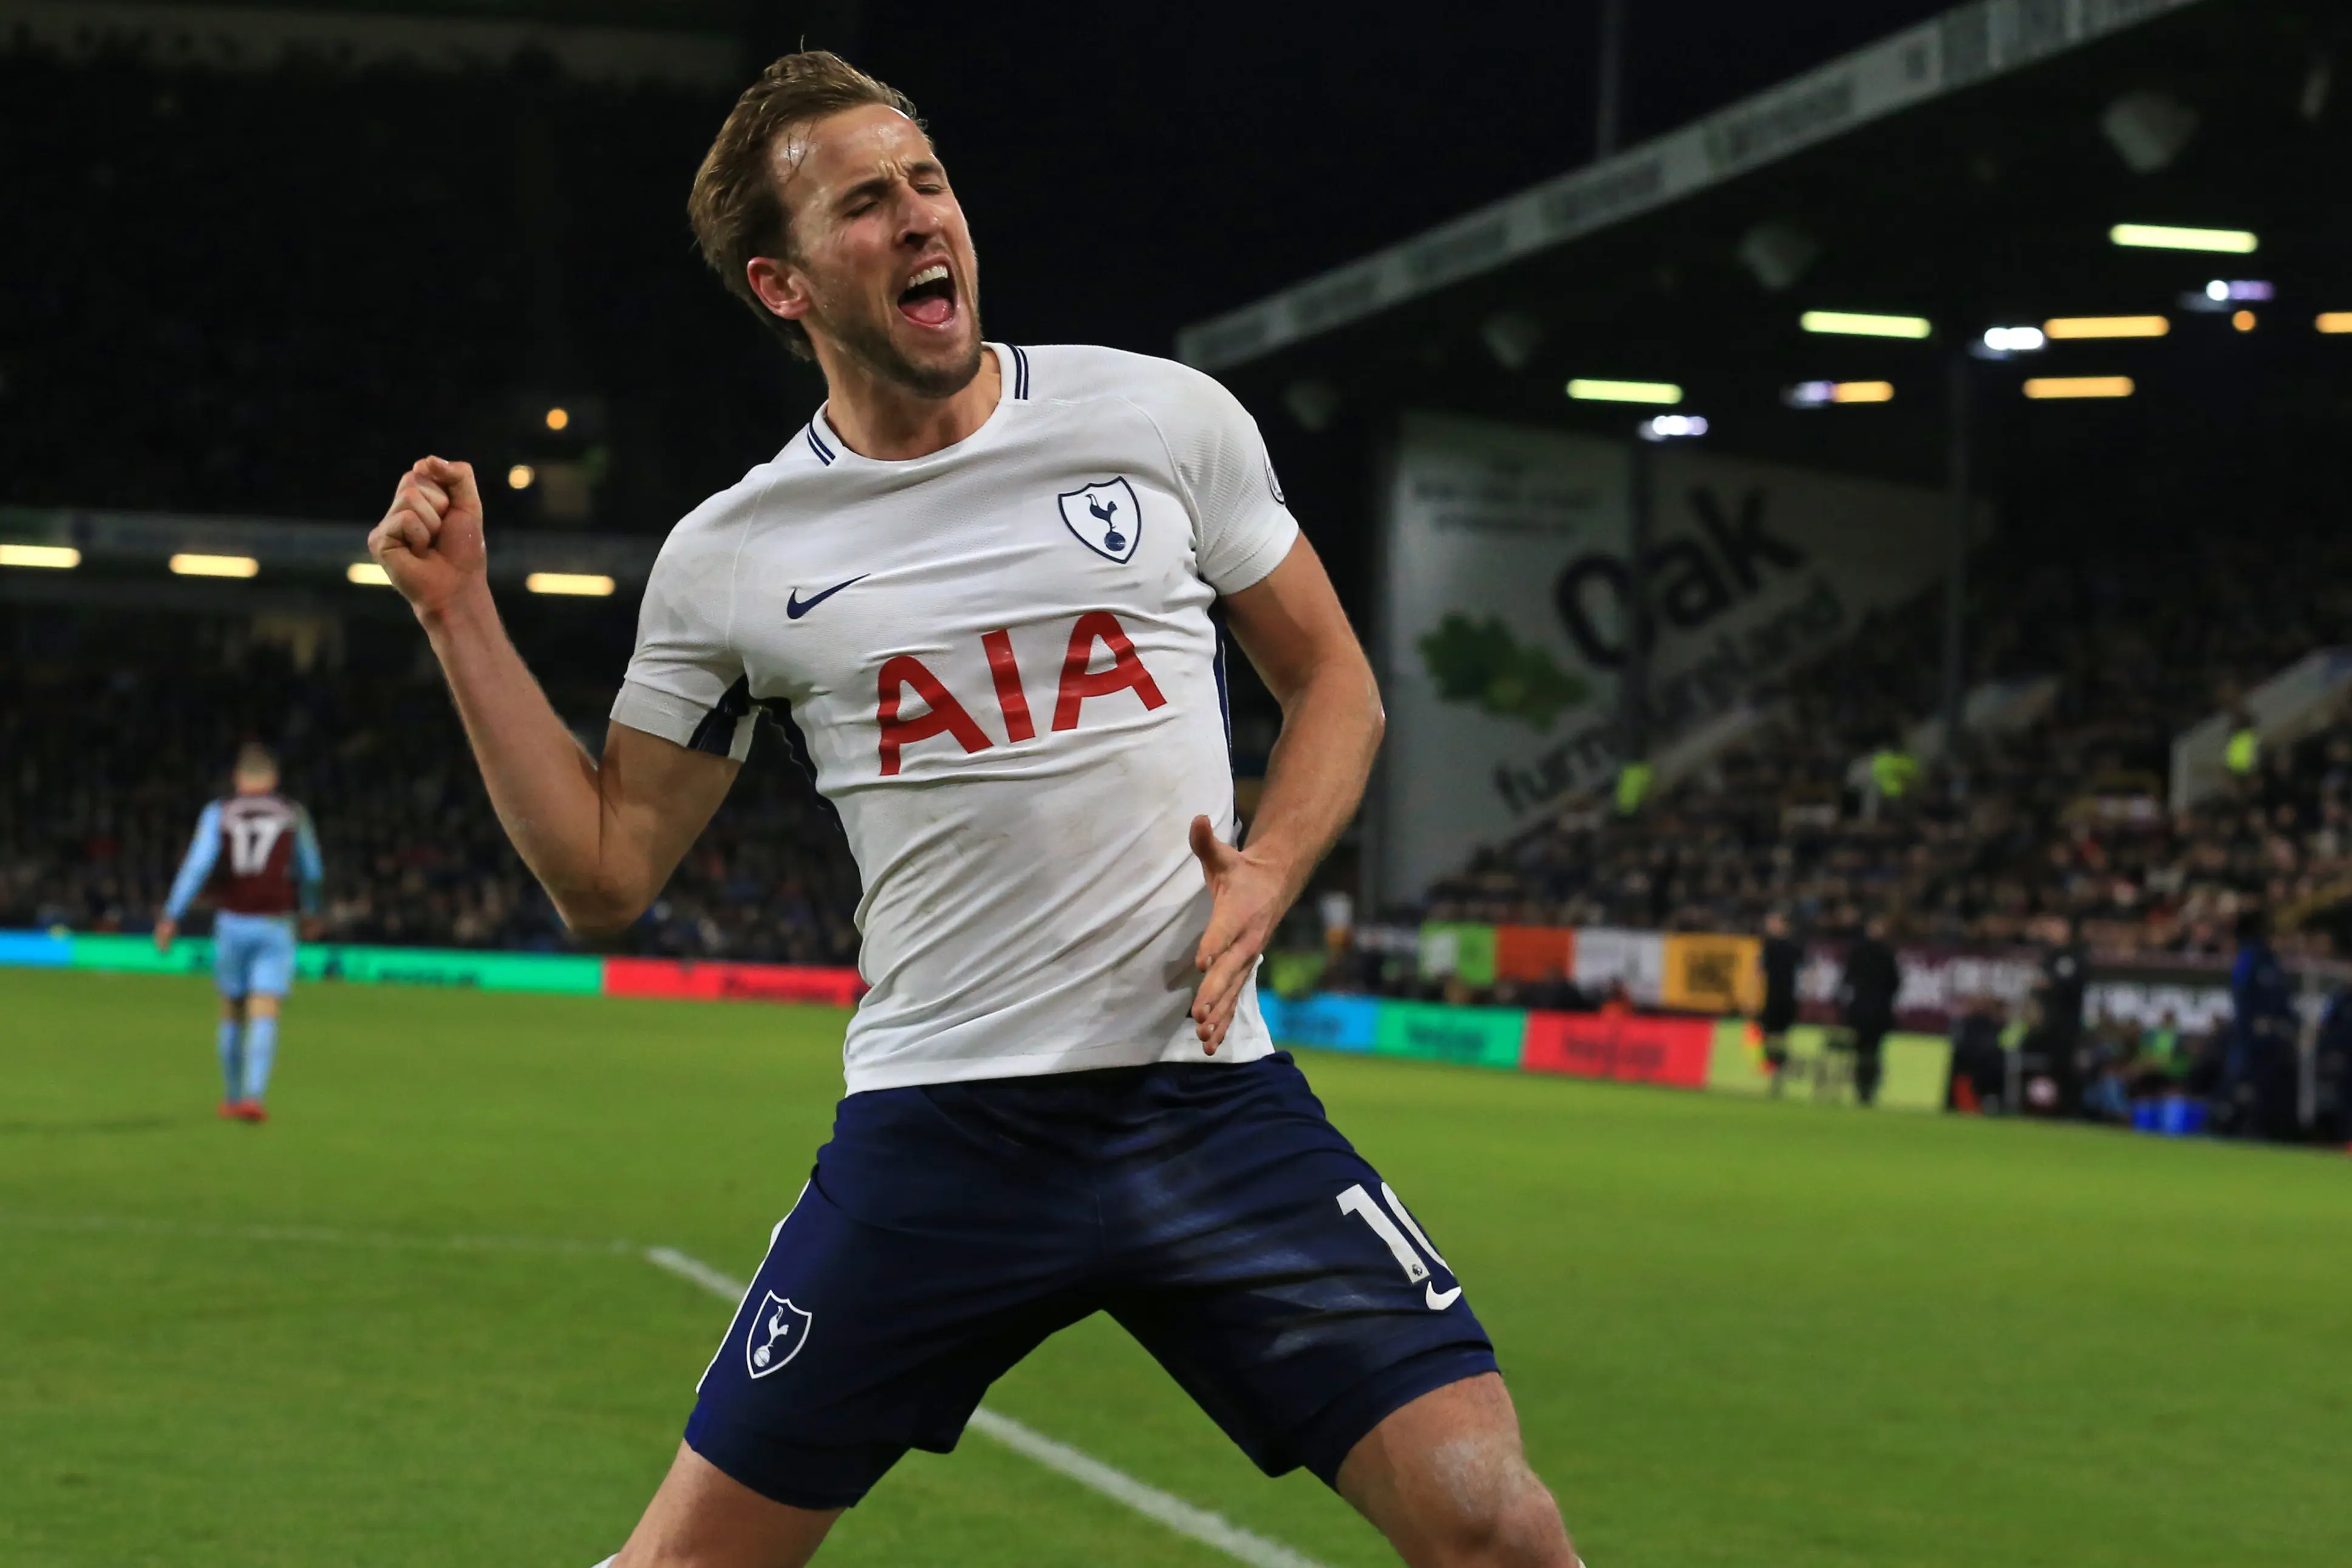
(681, 43)
(1968, 172)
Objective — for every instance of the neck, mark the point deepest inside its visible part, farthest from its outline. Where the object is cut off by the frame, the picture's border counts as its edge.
(883, 420)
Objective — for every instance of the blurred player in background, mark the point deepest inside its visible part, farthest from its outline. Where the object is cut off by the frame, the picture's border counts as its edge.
(259, 854)
(1779, 960)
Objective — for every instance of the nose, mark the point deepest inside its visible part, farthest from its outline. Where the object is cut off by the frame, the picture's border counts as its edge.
(920, 218)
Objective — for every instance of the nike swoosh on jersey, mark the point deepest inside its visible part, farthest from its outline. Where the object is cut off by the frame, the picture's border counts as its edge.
(1440, 1299)
(795, 607)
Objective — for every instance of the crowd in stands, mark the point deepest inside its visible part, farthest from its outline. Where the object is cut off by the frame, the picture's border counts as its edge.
(103, 770)
(2065, 814)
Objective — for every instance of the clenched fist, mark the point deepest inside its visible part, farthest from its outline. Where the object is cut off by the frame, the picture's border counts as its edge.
(430, 542)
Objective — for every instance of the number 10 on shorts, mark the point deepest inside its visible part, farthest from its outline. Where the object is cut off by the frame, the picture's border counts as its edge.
(1357, 1202)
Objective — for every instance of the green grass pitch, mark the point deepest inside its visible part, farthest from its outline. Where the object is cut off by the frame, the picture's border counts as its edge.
(1739, 1333)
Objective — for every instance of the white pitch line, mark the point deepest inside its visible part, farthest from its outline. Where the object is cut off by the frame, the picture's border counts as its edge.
(696, 1271)
(1213, 1529)
(1209, 1528)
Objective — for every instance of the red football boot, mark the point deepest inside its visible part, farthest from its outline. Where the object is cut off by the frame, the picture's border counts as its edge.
(251, 1110)
(230, 1111)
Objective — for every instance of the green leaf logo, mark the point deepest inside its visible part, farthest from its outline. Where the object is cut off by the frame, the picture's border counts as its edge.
(1482, 662)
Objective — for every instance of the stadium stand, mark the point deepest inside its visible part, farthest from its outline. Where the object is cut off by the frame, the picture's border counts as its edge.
(281, 386)
(107, 765)
(2065, 816)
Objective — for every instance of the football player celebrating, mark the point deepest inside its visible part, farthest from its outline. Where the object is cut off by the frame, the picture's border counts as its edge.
(976, 589)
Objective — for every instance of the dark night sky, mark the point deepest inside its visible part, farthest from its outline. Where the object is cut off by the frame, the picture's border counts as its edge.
(1129, 168)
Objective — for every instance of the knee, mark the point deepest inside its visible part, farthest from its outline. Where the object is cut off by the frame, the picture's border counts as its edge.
(1516, 1525)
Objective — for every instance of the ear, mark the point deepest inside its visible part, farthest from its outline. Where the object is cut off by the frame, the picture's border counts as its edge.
(779, 285)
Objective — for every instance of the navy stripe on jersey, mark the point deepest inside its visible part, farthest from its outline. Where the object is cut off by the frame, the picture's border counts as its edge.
(715, 732)
(816, 444)
(797, 747)
(1020, 374)
(1224, 698)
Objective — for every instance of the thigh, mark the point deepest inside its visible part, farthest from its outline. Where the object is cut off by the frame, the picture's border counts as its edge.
(232, 956)
(1266, 1265)
(1444, 1480)
(703, 1518)
(894, 1293)
(271, 969)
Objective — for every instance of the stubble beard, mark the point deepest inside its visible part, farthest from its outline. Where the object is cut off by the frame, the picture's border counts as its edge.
(870, 345)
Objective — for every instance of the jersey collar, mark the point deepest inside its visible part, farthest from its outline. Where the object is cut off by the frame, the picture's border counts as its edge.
(1012, 386)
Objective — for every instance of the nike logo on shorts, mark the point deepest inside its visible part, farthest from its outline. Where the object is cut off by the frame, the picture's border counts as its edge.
(1440, 1299)
(795, 607)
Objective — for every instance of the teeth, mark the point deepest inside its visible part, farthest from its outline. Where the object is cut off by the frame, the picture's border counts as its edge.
(935, 273)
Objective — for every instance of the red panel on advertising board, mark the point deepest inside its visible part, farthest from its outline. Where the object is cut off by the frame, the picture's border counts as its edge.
(1534, 953)
(731, 982)
(1627, 1048)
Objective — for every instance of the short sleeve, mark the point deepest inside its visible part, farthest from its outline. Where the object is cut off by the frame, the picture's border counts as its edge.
(1245, 529)
(686, 682)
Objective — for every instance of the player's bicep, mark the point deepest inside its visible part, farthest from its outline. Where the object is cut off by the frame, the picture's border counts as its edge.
(657, 798)
(1291, 626)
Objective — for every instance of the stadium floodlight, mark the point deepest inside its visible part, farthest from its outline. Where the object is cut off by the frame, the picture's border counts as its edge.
(2334, 321)
(586, 584)
(2015, 340)
(215, 566)
(558, 418)
(52, 557)
(2223, 289)
(1822, 393)
(368, 575)
(2108, 326)
(1585, 391)
(521, 477)
(1861, 324)
(1672, 427)
(2243, 321)
(2167, 237)
(2060, 386)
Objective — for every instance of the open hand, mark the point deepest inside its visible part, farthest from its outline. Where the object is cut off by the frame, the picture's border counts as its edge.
(1249, 894)
(430, 542)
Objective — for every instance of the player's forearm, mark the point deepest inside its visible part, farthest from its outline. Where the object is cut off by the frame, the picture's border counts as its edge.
(1331, 728)
(544, 786)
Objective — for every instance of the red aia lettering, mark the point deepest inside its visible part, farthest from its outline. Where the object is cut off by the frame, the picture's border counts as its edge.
(1126, 671)
(1011, 699)
(946, 715)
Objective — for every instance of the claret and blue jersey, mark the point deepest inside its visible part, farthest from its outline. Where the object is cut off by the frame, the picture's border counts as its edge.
(259, 856)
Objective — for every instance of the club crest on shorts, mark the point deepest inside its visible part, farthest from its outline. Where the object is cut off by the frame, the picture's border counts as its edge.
(1106, 517)
(778, 1332)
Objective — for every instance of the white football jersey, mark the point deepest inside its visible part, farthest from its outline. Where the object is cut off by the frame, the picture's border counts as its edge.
(1000, 663)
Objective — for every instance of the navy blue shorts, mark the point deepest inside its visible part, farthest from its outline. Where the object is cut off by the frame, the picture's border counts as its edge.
(947, 1230)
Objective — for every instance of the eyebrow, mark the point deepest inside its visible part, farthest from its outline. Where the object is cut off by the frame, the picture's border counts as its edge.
(876, 185)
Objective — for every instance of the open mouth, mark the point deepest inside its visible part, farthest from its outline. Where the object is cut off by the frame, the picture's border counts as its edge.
(929, 298)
